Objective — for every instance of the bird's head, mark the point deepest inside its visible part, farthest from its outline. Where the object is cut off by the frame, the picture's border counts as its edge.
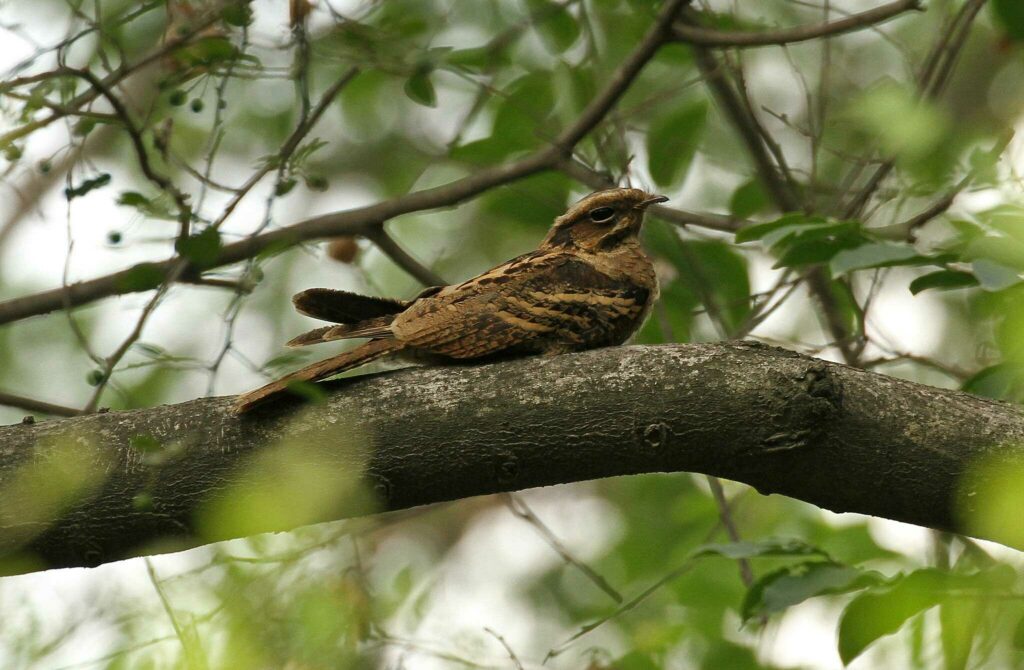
(602, 220)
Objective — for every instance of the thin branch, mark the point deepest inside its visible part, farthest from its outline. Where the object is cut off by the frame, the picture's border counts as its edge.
(32, 405)
(142, 156)
(516, 663)
(734, 109)
(212, 16)
(111, 361)
(909, 228)
(290, 145)
(780, 190)
(622, 609)
(519, 508)
(189, 646)
(358, 221)
(935, 75)
(725, 515)
(390, 248)
(707, 37)
(230, 284)
(622, 77)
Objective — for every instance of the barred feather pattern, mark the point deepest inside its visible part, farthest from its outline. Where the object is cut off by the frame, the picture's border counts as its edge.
(589, 285)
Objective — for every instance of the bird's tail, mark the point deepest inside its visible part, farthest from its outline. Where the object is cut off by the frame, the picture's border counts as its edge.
(329, 367)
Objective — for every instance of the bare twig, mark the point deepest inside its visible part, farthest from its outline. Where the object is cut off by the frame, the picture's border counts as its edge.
(111, 361)
(734, 109)
(910, 227)
(622, 609)
(290, 144)
(211, 16)
(707, 37)
(194, 660)
(390, 248)
(32, 405)
(935, 75)
(725, 515)
(142, 156)
(516, 663)
(519, 507)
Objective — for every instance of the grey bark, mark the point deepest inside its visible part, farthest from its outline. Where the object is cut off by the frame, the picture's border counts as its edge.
(840, 438)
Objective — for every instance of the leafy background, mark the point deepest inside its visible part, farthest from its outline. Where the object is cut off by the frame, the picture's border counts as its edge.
(633, 573)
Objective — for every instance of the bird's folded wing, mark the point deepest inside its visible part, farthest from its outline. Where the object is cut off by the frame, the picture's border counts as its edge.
(517, 306)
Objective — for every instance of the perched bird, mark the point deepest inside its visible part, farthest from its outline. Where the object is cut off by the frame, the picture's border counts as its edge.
(588, 285)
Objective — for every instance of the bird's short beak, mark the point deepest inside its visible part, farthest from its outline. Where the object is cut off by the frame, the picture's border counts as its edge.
(651, 201)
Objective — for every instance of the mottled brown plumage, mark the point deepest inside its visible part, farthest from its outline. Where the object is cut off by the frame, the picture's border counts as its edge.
(588, 285)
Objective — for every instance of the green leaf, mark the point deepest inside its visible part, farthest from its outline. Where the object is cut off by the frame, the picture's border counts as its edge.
(132, 199)
(528, 102)
(959, 620)
(760, 230)
(1018, 635)
(284, 187)
(420, 89)
(201, 249)
(770, 547)
(142, 277)
(1010, 15)
(817, 244)
(749, 199)
(883, 611)
(208, 51)
(905, 124)
(1006, 250)
(994, 276)
(151, 350)
(316, 182)
(237, 14)
(285, 360)
(98, 181)
(672, 319)
(672, 142)
(873, 255)
(712, 271)
(1002, 381)
(477, 58)
(944, 280)
(793, 584)
(635, 660)
(554, 23)
(155, 208)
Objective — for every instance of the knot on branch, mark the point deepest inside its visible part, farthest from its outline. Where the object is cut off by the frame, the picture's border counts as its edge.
(803, 410)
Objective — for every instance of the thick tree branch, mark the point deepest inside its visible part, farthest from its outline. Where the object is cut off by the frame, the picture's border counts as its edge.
(841, 438)
(707, 37)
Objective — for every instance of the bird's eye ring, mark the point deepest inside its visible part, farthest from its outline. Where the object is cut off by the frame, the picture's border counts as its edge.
(602, 214)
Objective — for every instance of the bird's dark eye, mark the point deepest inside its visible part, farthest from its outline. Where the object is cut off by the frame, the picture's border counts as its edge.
(602, 214)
